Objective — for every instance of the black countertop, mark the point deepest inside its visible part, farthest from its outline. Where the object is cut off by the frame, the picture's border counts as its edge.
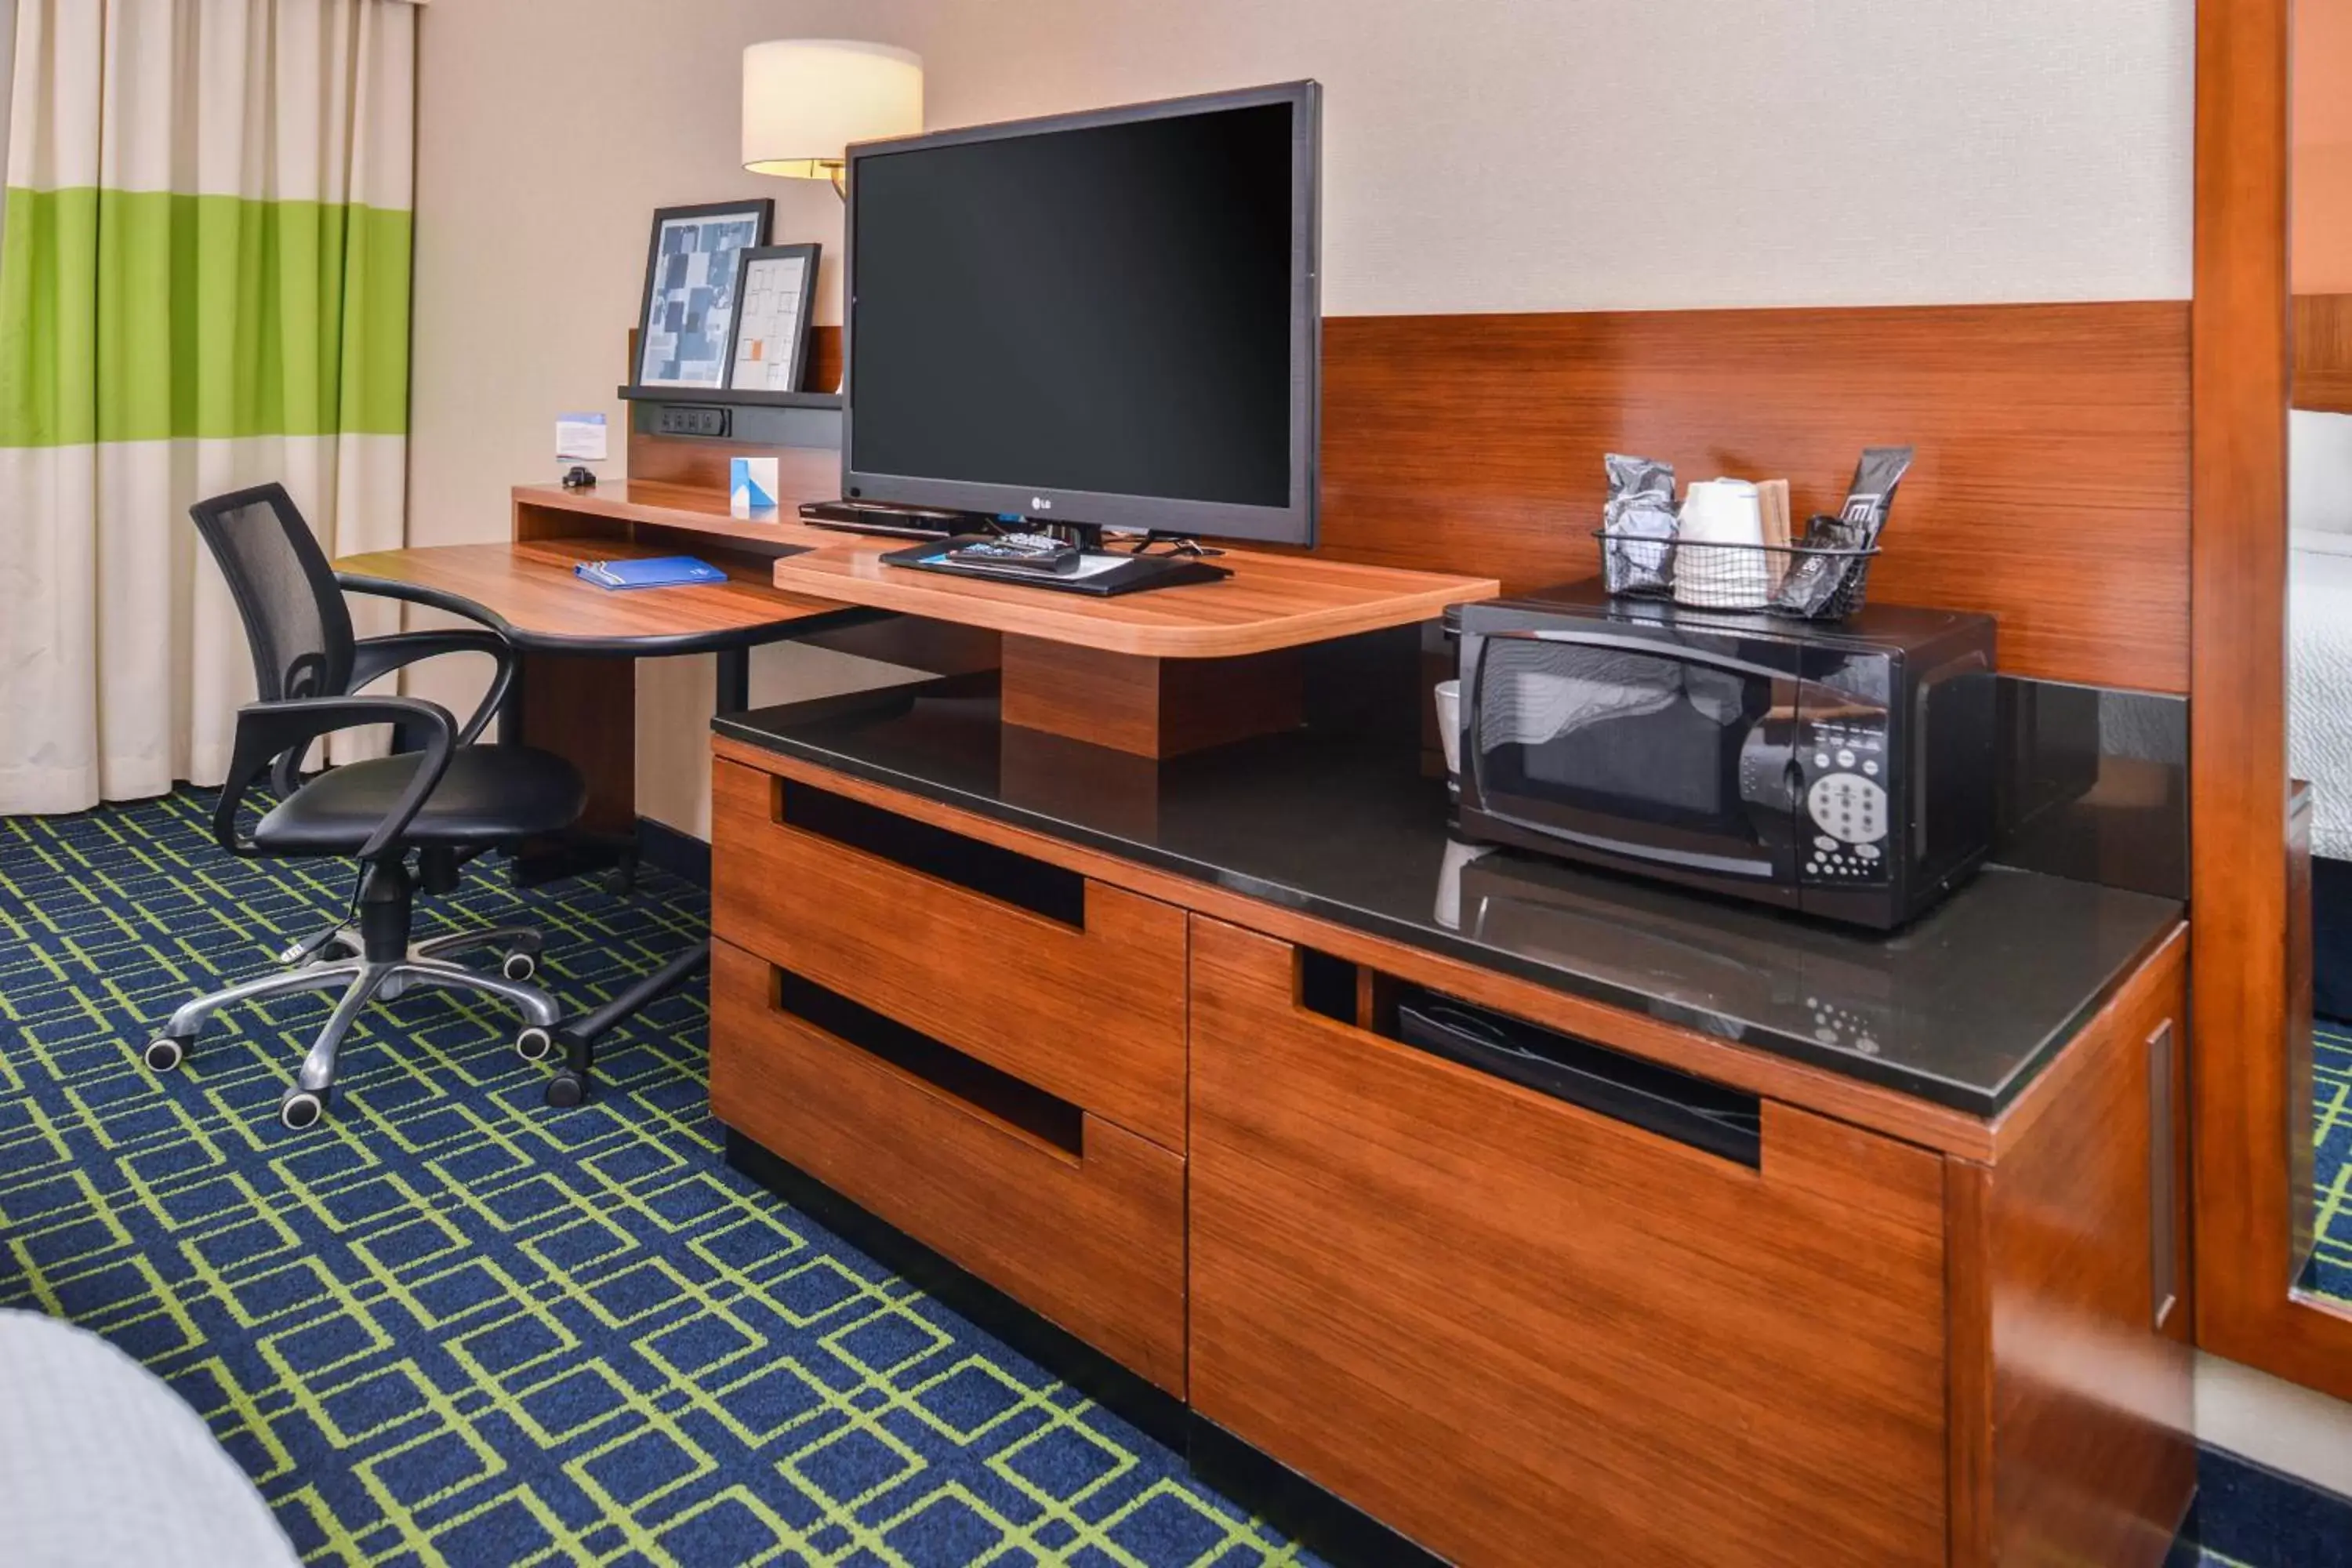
(1337, 821)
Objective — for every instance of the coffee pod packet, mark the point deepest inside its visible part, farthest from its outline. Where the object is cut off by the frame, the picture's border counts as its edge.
(1637, 555)
(1814, 581)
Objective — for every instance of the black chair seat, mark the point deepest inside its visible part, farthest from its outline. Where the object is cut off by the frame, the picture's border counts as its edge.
(490, 795)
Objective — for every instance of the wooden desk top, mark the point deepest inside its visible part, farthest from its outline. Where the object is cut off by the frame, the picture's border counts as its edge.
(528, 591)
(1271, 601)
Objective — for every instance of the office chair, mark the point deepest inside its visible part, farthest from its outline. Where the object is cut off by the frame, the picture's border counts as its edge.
(440, 797)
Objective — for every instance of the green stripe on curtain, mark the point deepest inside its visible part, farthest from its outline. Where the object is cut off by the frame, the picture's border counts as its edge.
(148, 315)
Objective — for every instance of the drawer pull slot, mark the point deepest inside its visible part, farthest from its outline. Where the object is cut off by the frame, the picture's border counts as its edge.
(1722, 1121)
(1048, 891)
(1327, 985)
(992, 1092)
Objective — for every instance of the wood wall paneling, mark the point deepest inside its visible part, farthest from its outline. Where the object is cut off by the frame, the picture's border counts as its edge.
(1706, 1364)
(2322, 325)
(2052, 487)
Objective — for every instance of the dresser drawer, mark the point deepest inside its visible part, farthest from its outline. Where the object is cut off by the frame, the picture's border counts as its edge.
(1075, 986)
(1079, 1220)
(1524, 1329)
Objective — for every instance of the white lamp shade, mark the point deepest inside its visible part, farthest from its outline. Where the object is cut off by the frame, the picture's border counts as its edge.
(806, 100)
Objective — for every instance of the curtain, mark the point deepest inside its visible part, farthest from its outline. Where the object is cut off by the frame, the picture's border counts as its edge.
(203, 285)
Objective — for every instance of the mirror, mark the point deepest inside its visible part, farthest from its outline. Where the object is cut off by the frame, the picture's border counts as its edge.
(2319, 648)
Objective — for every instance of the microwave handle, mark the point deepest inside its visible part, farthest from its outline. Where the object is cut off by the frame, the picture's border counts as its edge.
(1674, 652)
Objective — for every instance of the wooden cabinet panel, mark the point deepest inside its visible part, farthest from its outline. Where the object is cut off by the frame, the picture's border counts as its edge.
(1093, 1239)
(1094, 1015)
(2070, 1413)
(1522, 1332)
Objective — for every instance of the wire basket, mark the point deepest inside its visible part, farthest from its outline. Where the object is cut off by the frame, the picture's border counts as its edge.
(1746, 578)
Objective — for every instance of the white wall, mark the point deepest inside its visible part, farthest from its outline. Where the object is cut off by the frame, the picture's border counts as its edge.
(1495, 155)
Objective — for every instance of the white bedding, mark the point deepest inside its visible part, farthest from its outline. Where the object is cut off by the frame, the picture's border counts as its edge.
(2319, 683)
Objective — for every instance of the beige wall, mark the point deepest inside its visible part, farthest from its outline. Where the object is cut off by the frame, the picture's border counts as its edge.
(1480, 155)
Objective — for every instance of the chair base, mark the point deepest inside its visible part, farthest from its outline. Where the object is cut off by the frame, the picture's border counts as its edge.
(363, 981)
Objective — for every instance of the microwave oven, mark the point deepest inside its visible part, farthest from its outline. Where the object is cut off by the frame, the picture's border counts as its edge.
(1843, 769)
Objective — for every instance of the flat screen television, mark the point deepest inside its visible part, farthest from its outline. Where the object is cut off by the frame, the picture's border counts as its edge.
(1108, 319)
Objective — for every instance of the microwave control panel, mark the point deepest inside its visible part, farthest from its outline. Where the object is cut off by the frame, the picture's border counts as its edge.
(1844, 835)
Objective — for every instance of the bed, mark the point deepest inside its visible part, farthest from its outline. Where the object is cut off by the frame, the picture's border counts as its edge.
(2319, 744)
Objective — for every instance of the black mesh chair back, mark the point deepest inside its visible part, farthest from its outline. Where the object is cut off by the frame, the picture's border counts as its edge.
(285, 591)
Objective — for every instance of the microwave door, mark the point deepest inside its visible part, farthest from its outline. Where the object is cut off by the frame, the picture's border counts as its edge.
(1661, 757)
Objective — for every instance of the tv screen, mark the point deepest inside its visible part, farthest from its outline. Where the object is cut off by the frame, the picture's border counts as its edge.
(1103, 319)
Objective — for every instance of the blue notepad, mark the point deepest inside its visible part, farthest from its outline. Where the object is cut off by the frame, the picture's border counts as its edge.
(661, 571)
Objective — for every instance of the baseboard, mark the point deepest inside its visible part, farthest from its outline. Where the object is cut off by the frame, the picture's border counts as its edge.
(679, 854)
(1327, 1524)
(2263, 1518)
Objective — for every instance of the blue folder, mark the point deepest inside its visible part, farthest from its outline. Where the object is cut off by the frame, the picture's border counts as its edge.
(661, 571)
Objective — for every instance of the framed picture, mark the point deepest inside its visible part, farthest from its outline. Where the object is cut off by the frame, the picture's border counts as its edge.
(687, 328)
(772, 318)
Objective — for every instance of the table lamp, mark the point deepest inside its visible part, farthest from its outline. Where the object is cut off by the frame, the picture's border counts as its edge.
(806, 100)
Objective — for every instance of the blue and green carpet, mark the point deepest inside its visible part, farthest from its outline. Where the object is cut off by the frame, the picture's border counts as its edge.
(452, 1326)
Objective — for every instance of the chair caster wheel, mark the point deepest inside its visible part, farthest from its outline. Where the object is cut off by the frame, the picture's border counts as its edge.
(164, 1053)
(301, 1109)
(566, 1089)
(518, 965)
(534, 1044)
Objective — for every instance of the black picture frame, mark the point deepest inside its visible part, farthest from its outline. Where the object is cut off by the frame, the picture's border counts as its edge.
(796, 351)
(651, 370)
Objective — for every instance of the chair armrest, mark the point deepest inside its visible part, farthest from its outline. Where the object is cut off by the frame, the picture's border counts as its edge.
(267, 731)
(373, 657)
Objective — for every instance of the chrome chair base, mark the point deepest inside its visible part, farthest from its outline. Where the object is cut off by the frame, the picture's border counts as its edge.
(362, 981)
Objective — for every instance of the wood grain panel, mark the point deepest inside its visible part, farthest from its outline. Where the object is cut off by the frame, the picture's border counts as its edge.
(1148, 707)
(531, 587)
(2072, 1428)
(672, 507)
(1521, 1333)
(1096, 1244)
(1881, 1110)
(584, 709)
(2051, 487)
(2322, 352)
(1270, 601)
(2237, 730)
(823, 371)
(803, 473)
(1094, 1017)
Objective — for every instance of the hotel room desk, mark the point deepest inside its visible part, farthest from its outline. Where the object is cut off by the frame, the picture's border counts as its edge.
(578, 643)
(1118, 1037)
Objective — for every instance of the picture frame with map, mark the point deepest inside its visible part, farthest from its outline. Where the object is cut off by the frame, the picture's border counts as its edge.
(775, 298)
(686, 330)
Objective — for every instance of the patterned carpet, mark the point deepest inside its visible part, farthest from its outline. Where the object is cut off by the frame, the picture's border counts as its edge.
(2330, 1273)
(452, 1326)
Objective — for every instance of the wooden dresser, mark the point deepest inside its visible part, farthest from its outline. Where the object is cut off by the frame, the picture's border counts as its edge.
(1160, 1099)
